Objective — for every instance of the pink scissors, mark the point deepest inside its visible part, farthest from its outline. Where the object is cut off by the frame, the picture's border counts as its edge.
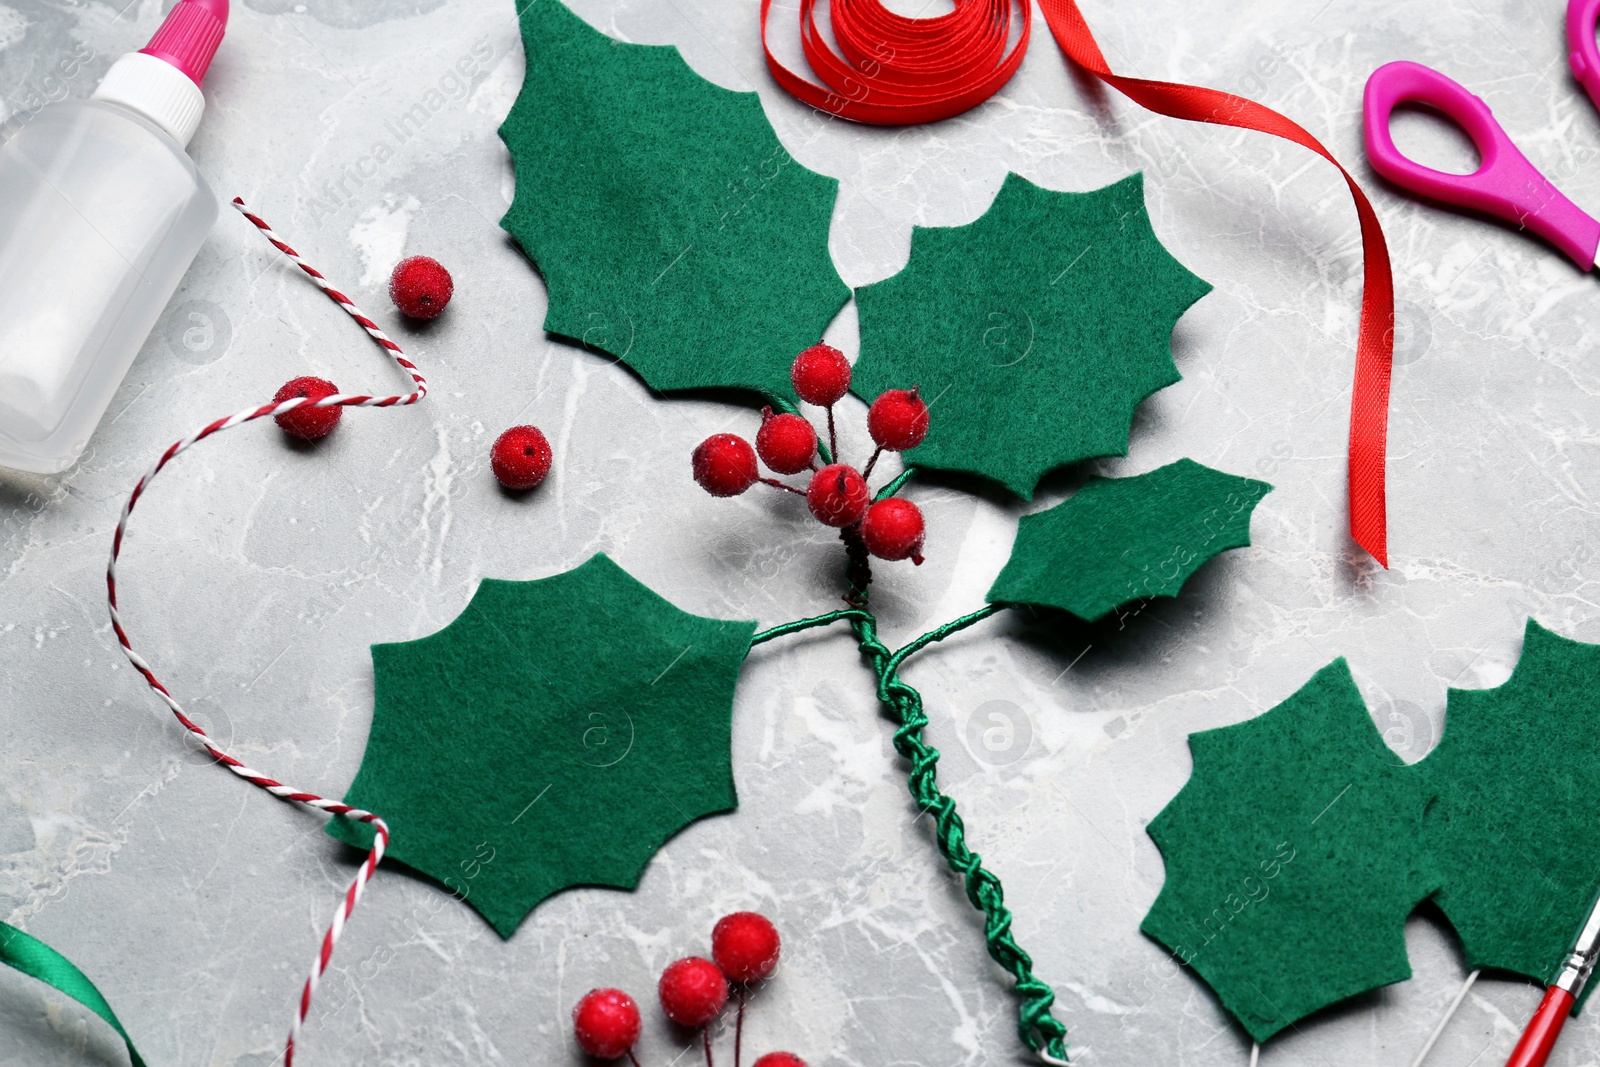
(1505, 185)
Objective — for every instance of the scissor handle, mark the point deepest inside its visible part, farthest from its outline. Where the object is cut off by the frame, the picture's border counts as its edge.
(1506, 185)
(1583, 55)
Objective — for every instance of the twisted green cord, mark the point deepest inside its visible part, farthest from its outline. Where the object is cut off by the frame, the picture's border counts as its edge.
(805, 624)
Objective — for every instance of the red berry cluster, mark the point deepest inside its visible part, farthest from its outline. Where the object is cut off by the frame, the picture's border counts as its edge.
(725, 464)
(693, 992)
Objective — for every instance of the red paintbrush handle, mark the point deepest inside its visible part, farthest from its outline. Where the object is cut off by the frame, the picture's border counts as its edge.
(1540, 1036)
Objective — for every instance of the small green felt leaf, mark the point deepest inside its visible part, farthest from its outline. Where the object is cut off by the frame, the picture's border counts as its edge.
(1034, 332)
(672, 228)
(1293, 857)
(1122, 539)
(556, 733)
(1515, 831)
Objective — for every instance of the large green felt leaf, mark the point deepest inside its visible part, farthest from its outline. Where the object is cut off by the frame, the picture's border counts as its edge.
(1034, 332)
(1498, 824)
(1118, 540)
(1516, 831)
(555, 734)
(672, 229)
(1291, 858)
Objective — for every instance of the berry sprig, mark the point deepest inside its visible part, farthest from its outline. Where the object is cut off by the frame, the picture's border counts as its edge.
(693, 991)
(837, 493)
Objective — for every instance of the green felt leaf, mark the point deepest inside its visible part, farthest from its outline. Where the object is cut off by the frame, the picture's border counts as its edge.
(1292, 858)
(1034, 332)
(1516, 831)
(1118, 540)
(1498, 824)
(556, 733)
(672, 229)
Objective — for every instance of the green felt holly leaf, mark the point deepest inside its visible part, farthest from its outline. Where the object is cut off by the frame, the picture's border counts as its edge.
(1118, 540)
(672, 229)
(1033, 332)
(1515, 831)
(1498, 824)
(1293, 856)
(556, 733)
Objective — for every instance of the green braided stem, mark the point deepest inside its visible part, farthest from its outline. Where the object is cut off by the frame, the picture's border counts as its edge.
(1038, 1029)
(805, 624)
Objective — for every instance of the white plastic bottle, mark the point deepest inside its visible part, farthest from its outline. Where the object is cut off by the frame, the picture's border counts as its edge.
(101, 213)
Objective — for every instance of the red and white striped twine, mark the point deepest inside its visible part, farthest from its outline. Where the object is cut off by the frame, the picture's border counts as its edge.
(254, 777)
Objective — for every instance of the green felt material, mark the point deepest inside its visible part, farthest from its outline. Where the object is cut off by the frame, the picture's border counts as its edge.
(1498, 824)
(556, 733)
(1034, 332)
(1118, 540)
(671, 227)
(1516, 830)
(38, 960)
(1292, 858)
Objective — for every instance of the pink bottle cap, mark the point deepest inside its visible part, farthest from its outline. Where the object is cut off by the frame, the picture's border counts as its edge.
(190, 36)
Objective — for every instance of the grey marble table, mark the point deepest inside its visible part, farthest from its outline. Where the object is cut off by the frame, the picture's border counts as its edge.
(257, 575)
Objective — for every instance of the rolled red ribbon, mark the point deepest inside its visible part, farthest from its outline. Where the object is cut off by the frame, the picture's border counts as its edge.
(943, 66)
(891, 70)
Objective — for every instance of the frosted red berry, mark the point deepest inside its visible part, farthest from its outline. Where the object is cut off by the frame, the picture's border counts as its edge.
(893, 529)
(745, 945)
(838, 495)
(786, 443)
(606, 1023)
(520, 457)
(305, 421)
(898, 420)
(821, 375)
(693, 991)
(420, 287)
(780, 1059)
(725, 464)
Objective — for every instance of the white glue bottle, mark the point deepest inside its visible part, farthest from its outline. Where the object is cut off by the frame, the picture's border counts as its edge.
(101, 213)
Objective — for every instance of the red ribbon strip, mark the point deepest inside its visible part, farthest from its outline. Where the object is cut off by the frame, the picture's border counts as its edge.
(897, 71)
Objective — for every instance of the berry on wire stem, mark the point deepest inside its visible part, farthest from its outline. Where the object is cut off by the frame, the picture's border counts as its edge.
(838, 495)
(786, 443)
(725, 464)
(820, 375)
(693, 991)
(893, 530)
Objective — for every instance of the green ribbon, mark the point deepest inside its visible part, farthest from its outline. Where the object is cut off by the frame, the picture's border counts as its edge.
(38, 960)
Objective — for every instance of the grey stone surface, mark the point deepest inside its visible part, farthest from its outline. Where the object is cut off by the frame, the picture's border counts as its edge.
(256, 575)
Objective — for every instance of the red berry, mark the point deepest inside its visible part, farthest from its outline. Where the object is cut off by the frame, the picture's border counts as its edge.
(786, 443)
(745, 945)
(838, 495)
(898, 420)
(420, 287)
(305, 421)
(606, 1023)
(520, 457)
(893, 530)
(725, 464)
(780, 1059)
(821, 375)
(692, 991)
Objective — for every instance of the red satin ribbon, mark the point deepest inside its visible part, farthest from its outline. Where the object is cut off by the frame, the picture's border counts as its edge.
(964, 44)
(898, 71)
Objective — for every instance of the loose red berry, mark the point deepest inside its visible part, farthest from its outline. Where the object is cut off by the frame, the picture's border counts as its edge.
(725, 464)
(780, 1059)
(893, 530)
(420, 287)
(838, 495)
(898, 420)
(692, 991)
(786, 442)
(305, 421)
(606, 1023)
(745, 945)
(821, 375)
(520, 457)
